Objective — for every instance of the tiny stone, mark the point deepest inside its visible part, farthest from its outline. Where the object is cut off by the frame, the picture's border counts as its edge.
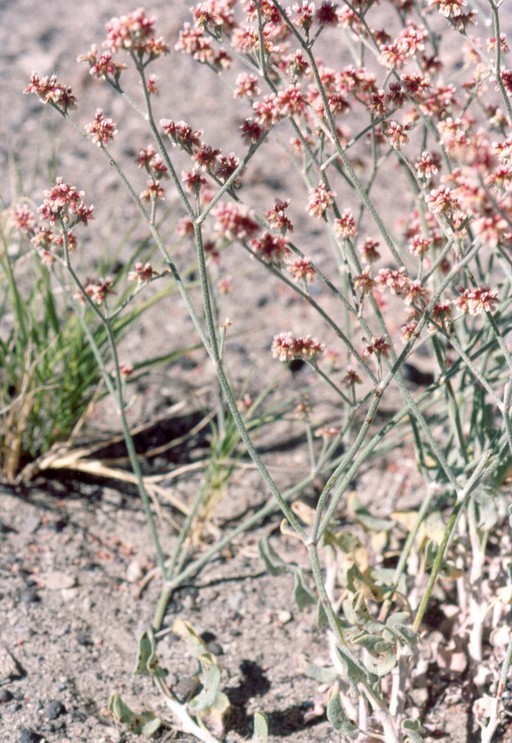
(113, 497)
(59, 525)
(30, 523)
(235, 600)
(68, 594)
(134, 571)
(55, 709)
(9, 666)
(189, 591)
(5, 695)
(188, 602)
(29, 736)
(83, 639)
(215, 648)
(283, 617)
(30, 596)
(56, 580)
(114, 735)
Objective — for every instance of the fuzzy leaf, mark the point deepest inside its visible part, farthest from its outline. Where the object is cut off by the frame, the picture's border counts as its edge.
(433, 527)
(215, 715)
(373, 523)
(143, 723)
(365, 518)
(487, 508)
(319, 673)
(119, 710)
(210, 680)
(414, 730)
(346, 541)
(353, 670)
(381, 657)
(321, 616)
(151, 728)
(336, 714)
(195, 644)
(301, 592)
(260, 734)
(144, 653)
(147, 661)
(273, 563)
(396, 624)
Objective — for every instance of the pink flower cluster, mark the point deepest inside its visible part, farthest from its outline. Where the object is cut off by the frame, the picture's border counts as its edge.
(287, 347)
(478, 300)
(134, 32)
(102, 129)
(49, 90)
(99, 289)
(63, 203)
(143, 274)
(207, 158)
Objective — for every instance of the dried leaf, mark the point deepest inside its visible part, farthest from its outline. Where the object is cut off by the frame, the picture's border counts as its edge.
(195, 644)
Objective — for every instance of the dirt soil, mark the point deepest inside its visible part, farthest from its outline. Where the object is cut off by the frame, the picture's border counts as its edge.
(75, 551)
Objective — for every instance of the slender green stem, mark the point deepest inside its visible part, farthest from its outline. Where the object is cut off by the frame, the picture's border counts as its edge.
(117, 395)
(228, 393)
(478, 475)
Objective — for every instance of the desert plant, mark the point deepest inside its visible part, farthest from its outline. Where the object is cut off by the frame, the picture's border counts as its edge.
(438, 284)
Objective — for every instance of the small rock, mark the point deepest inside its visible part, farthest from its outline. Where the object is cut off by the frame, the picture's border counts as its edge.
(68, 594)
(113, 497)
(29, 736)
(83, 639)
(9, 666)
(30, 523)
(30, 596)
(60, 524)
(283, 617)
(54, 581)
(215, 648)
(55, 709)
(134, 571)
(5, 696)
(235, 600)
(114, 735)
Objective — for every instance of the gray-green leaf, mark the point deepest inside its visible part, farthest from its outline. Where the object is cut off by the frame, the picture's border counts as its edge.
(271, 559)
(303, 595)
(336, 714)
(210, 680)
(319, 673)
(260, 734)
(414, 730)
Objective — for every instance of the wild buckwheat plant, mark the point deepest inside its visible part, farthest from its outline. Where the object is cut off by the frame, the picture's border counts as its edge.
(395, 245)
